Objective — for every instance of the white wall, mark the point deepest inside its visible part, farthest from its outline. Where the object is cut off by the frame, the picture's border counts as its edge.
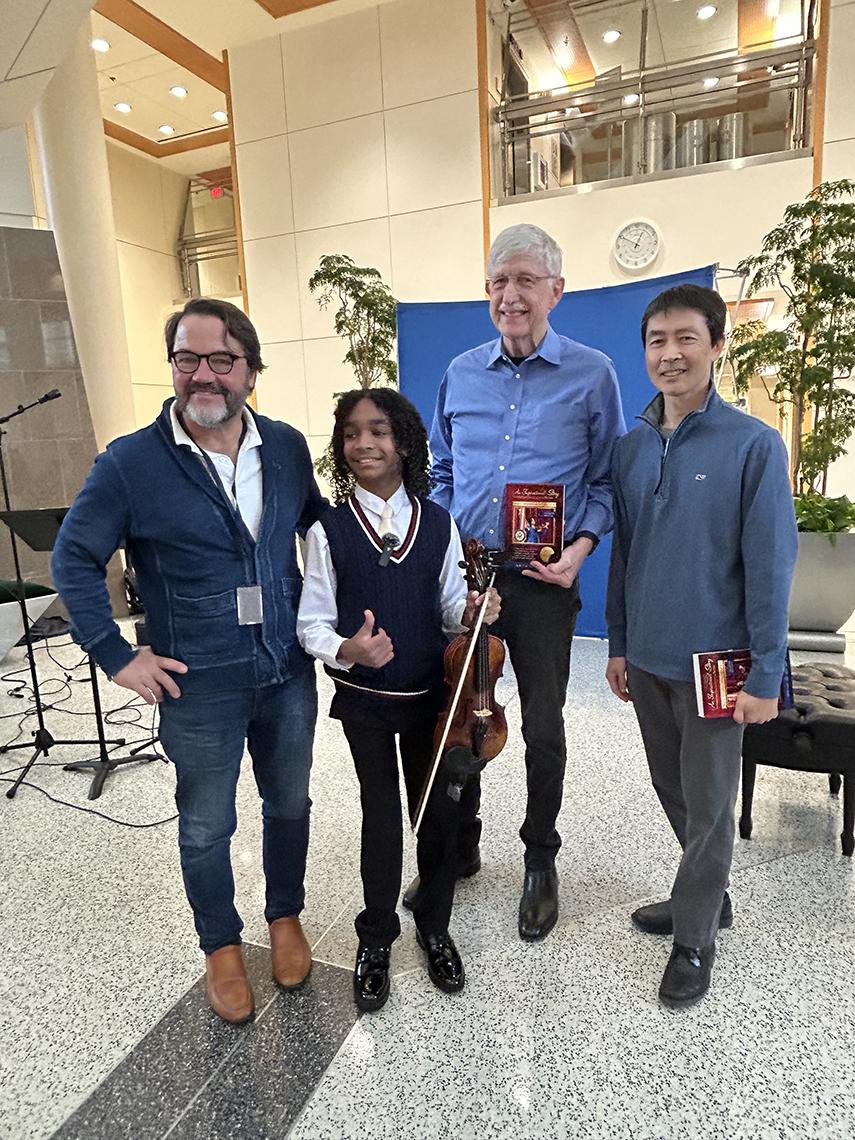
(148, 206)
(19, 198)
(703, 218)
(356, 135)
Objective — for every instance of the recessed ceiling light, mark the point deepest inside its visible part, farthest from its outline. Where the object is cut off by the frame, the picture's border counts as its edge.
(100, 45)
(711, 81)
(166, 129)
(630, 100)
(611, 36)
(178, 91)
(706, 11)
(220, 116)
(125, 108)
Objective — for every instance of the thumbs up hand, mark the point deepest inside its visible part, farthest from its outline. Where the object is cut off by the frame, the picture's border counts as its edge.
(367, 647)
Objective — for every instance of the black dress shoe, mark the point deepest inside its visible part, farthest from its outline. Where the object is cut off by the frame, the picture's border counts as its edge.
(467, 868)
(443, 961)
(687, 975)
(371, 977)
(539, 904)
(658, 919)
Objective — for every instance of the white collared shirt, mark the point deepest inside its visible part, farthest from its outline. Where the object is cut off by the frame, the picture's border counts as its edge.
(318, 614)
(243, 487)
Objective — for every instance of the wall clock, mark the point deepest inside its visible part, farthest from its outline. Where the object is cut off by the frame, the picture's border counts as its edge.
(637, 245)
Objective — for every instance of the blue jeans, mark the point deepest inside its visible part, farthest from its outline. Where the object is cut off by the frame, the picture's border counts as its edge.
(204, 737)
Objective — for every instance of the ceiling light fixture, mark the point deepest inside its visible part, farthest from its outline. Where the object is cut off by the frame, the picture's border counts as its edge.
(611, 36)
(124, 108)
(100, 44)
(706, 11)
(220, 116)
(711, 81)
(178, 91)
(166, 129)
(631, 99)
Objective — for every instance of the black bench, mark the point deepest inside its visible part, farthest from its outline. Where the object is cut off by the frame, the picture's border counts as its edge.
(817, 735)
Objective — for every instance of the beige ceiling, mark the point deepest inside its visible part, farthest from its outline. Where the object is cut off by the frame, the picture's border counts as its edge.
(35, 36)
(131, 72)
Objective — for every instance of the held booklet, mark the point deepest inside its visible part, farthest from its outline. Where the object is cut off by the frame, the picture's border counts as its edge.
(534, 523)
(719, 676)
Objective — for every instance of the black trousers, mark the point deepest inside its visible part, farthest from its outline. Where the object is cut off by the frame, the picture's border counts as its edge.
(537, 624)
(372, 740)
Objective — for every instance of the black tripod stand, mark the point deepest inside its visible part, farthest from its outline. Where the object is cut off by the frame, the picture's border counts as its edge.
(39, 529)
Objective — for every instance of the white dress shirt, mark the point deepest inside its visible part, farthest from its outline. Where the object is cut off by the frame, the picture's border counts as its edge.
(318, 614)
(243, 487)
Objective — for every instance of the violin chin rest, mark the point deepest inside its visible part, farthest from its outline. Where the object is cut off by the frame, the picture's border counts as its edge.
(460, 763)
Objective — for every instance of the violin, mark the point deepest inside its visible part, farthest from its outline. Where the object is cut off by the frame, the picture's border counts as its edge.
(472, 729)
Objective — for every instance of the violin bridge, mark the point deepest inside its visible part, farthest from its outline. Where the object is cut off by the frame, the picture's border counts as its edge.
(482, 712)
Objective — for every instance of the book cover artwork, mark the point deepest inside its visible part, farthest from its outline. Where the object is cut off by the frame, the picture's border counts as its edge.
(720, 675)
(534, 523)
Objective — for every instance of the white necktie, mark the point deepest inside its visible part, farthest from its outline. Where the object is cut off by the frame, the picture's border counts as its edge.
(385, 526)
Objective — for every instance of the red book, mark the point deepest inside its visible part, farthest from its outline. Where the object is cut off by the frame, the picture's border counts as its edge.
(721, 674)
(534, 523)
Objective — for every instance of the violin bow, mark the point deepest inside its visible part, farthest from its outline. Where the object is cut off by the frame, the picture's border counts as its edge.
(452, 710)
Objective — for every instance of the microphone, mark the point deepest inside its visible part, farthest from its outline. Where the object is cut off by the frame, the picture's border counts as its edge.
(53, 394)
(390, 542)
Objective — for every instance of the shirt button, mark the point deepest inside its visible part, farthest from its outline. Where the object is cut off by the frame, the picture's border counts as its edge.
(507, 437)
(491, 531)
(495, 500)
(513, 407)
(501, 467)
(517, 377)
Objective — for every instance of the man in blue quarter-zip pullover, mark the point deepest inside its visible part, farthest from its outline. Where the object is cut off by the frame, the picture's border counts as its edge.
(206, 501)
(530, 406)
(702, 558)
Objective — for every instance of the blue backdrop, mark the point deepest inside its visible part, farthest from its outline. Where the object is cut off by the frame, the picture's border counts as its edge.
(430, 335)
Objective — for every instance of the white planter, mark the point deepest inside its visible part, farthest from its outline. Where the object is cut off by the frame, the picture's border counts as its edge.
(823, 593)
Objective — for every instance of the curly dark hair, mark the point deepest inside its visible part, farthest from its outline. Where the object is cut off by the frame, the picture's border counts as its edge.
(407, 428)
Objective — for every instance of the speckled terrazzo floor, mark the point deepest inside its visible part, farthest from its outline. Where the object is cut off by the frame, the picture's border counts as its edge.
(105, 1032)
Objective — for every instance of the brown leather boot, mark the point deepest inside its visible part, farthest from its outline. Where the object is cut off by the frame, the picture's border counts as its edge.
(290, 952)
(229, 992)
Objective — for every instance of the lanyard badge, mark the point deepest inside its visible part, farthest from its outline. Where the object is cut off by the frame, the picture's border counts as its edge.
(250, 610)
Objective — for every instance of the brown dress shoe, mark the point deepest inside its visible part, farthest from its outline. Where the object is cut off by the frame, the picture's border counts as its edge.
(229, 992)
(290, 952)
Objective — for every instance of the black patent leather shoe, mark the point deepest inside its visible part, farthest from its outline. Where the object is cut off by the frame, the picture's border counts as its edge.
(371, 977)
(658, 919)
(465, 871)
(687, 975)
(538, 905)
(443, 961)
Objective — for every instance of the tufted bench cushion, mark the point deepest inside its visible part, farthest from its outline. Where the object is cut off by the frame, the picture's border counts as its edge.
(816, 735)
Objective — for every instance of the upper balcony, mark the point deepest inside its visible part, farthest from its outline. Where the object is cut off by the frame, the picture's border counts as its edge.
(604, 92)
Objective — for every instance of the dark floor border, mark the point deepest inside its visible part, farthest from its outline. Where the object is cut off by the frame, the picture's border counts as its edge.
(194, 1076)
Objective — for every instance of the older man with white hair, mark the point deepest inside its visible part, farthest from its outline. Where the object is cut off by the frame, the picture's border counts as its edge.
(531, 406)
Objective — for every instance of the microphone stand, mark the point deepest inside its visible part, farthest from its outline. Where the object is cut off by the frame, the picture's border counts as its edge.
(42, 740)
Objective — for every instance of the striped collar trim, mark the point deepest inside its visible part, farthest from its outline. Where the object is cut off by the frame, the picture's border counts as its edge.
(374, 538)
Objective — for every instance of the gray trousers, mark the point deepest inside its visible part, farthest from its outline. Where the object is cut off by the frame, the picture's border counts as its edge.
(695, 766)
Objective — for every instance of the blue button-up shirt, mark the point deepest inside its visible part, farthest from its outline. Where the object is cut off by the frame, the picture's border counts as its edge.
(552, 419)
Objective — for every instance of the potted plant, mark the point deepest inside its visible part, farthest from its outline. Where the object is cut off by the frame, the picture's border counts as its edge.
(365, 317)
(810, 257)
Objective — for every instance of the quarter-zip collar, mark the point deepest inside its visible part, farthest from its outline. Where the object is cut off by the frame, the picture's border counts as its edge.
(652, 415)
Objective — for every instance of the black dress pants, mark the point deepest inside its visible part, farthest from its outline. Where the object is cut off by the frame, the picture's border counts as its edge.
(373, 746)
(537, 624)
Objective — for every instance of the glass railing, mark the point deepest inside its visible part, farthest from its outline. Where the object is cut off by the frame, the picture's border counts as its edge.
(674, 117)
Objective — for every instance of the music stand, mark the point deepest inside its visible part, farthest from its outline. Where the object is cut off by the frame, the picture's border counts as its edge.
(39, 528)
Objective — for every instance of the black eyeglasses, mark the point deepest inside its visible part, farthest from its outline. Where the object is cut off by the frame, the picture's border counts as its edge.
(220, 363)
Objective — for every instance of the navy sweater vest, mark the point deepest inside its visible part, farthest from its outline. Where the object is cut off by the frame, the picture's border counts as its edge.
(404, 596)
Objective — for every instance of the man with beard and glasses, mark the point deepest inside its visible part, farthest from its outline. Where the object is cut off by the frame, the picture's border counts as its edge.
(207, 501)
